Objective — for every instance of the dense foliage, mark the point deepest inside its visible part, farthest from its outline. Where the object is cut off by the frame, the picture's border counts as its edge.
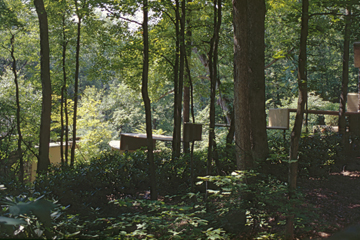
(107, 197)
(106, 194)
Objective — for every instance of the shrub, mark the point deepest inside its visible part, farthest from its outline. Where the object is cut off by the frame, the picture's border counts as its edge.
(113, 174)
(318, 153)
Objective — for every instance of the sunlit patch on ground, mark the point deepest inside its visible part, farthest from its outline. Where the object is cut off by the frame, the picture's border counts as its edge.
(324, 234)
(354, 205)
(347, 173)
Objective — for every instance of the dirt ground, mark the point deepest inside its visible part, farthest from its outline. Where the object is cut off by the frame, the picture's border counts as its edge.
(336, 199)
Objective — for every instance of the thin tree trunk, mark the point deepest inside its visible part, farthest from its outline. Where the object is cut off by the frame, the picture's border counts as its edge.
(181, 70)
(17, 95)
(63, 102)
(230, 135)
(177, 114)
(186, 111)
(66, 131)
(221, 102)
(296, 132)
(212, 97)
(145, 95)
(62, 127)
(186, 107)
(193, 120)
(213, 60)
(76, 87)
(345, 79)
(43, 161)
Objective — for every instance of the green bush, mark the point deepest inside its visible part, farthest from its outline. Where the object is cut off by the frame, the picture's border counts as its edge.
(106, 198)
(113, 174)
(27, 216)
(90, 185)
(318, 153)
(260, 198)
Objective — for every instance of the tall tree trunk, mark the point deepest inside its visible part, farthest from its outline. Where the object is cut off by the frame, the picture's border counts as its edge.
(17, 96)
(244, 158)
(241, 86)
(213, 62)
(222, 101)
(177, 114)
(145, 95)
(345, 79)
(64, 102)
(76, 83)
(186, 107)
(66, 112)
(259, 142)
(186, 110)
(230, 135)
(181, 69)
(43, 161)
(296, 132)
(191, 92)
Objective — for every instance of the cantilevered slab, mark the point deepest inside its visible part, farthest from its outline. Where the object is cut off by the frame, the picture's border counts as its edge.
(134, 141)
(154, 136)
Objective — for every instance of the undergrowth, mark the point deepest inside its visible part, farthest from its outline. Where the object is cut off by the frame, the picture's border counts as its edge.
(109, 197)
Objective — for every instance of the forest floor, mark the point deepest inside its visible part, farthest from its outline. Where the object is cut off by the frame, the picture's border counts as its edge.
(335, 198)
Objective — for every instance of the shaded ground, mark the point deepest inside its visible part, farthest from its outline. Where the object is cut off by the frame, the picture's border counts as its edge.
(336, 199)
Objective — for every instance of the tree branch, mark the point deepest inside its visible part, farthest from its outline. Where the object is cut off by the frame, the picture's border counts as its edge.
(118, 16)
(323, 14)
(171, 19)
(165, 94)
(277, 59)
(167, 60)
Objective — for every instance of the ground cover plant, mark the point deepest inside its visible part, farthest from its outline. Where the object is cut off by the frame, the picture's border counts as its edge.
(108, 197)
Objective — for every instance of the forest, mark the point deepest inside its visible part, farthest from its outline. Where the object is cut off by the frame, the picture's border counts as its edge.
(179, 119)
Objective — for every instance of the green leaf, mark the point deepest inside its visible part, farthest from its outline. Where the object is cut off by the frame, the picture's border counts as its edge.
(199, 183)
(206, 178)
(213, 191)
(40, 208)
(291, 161)
(11, 221)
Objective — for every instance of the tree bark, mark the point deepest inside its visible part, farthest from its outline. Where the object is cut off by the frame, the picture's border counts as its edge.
(296, 132)
(63, 109)
(191, 91)
(146, 99)
(256, 25)
(213, 61)
(249, 105)
(221, 101)
(186, 111)
(43, 160)
(17, 96)
(182, 68)
(345, 79)
(186, 106)
(76, 85)
(230, 135)
(242, 73)
(176, 144)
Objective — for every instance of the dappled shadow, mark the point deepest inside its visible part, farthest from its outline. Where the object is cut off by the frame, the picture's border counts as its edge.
(336, 199)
